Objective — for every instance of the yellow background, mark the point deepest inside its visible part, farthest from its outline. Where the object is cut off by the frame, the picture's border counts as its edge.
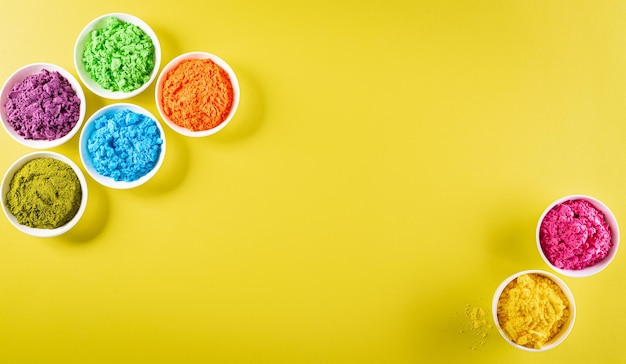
(384, 173)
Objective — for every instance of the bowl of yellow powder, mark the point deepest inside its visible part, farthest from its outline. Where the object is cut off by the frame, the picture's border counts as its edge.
(534, 310)
(197, 94)
(117, 56)
(44, 194)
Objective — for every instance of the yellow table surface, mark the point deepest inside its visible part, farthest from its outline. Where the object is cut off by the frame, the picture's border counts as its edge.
(385, 171)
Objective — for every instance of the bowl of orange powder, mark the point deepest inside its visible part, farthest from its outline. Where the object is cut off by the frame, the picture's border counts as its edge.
(534, 310)
(197, 94)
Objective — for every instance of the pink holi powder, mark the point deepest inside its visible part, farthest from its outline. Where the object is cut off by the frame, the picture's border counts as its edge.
(575, 235)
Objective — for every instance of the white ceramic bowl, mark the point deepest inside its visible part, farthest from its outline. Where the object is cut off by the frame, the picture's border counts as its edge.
(43, 233)
(79, 49)
(611, 221)
(87, 160)
(171, 66)
(565, 330)
(19, 76)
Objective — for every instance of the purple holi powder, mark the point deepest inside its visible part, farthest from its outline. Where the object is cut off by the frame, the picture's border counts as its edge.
(575, 235)
(43, 106)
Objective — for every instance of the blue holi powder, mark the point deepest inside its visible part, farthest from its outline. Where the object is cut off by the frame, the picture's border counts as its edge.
(124, 145)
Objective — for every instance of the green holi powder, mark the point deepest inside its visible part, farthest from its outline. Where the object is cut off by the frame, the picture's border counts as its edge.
(45, 193)
(120, 56)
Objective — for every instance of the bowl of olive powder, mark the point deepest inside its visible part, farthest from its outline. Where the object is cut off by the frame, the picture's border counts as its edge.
(44, 194)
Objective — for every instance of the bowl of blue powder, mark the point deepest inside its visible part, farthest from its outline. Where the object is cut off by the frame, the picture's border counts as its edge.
(44, 194)
(122, 146)
(42, 105)
(117, 56)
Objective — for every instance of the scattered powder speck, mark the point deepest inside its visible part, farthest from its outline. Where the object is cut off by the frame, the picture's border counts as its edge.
(478, 325)
(575, 235)
(43, 106)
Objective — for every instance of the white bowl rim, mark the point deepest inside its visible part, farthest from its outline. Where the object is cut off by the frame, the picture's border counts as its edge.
(31, 69)
(615, 237)
(192, 56)
(79, 48)
(565, 330)
(86, 159)
(36, 232)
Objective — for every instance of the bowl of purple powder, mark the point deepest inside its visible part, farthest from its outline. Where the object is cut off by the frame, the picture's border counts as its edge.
(122, 146)
(42, 105)
(117, 56)
(577, 236)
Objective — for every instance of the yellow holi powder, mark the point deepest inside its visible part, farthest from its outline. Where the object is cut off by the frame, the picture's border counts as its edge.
(477, 317)
(477, 324)
(532, 309)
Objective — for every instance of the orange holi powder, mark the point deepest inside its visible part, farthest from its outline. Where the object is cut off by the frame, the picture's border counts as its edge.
(197, 95)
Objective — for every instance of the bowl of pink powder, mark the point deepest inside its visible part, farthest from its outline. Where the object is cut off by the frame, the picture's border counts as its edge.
(197, 94)
(577, 236)
(42, 105)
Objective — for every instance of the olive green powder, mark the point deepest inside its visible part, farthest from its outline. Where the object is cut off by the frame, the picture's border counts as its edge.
(45, 193)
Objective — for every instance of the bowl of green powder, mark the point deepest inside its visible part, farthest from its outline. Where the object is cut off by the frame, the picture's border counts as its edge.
(44, 194)
(117, 56)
